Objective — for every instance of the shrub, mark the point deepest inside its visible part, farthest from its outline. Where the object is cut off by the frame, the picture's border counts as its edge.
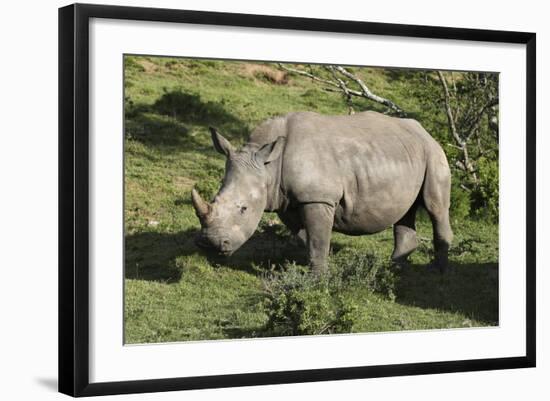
(460, 201)
(305, 311)
(485, 196)
(297, 302)
(351, 267)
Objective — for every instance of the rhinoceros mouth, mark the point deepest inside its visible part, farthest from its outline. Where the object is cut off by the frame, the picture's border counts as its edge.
(205, 244)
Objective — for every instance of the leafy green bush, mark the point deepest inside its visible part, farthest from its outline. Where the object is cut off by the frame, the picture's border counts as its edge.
(295, 302)
(298, 302)
(357, 268)
(460, 201)
(486, 194)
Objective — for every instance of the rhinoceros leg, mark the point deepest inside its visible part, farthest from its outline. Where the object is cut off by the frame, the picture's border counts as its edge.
(318, 220)
(301, 236)
(436, 196)
(293, 220)
(404, 235)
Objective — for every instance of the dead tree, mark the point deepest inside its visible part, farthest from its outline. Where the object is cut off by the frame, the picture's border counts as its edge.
(341, 80)
(464, 118)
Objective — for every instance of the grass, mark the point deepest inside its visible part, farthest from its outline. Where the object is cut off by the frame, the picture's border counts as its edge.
(174, 292)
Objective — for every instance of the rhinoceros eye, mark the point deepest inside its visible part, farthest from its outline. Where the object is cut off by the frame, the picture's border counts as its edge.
(243, 209)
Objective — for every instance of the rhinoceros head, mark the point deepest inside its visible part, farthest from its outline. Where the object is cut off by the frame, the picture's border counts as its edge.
(233, 216)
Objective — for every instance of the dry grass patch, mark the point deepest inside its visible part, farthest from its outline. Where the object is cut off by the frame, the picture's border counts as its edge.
(148, 66)
(265, 73)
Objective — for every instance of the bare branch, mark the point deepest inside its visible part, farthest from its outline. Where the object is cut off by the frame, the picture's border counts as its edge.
(343, 86)
(462, 142)
(309, 75)
(449, 111)
(367, 93)
(479, 116)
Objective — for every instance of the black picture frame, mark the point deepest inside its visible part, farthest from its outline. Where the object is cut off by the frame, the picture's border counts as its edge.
(74, 198)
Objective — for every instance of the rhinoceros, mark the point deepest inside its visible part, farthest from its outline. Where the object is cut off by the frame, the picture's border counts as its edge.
(355, 174)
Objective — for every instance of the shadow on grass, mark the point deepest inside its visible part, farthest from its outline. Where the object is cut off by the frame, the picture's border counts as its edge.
(235, 332)
(165, 123)
(467, 288)
(152, 256)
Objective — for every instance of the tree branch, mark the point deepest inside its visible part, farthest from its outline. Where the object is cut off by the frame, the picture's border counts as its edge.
(479, 115)
(449, 111)
(343, 86)
(367, 93)
(307, 74)
(462, 142)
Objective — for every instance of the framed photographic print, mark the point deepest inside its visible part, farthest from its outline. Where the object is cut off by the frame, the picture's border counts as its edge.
(249, 199)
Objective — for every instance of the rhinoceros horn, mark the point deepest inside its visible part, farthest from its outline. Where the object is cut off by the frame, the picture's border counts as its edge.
(201, 206)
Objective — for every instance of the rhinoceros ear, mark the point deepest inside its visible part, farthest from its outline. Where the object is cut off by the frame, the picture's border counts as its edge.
(271, 151)
(221, 144)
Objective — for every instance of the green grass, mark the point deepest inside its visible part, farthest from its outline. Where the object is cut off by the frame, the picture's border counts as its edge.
(174, 292)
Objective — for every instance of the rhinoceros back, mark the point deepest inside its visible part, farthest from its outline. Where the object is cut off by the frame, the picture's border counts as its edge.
(368, 165)
(269, 130)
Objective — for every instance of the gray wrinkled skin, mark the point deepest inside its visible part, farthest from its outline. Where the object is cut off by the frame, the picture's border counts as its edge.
(357, 174)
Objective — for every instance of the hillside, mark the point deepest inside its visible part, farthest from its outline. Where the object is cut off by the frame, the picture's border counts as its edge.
(174, 292)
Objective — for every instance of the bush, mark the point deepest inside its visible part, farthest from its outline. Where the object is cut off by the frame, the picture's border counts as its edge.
(298, 302)
(485, 196)
(460, 201)
(308, 309)
(355, 268)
